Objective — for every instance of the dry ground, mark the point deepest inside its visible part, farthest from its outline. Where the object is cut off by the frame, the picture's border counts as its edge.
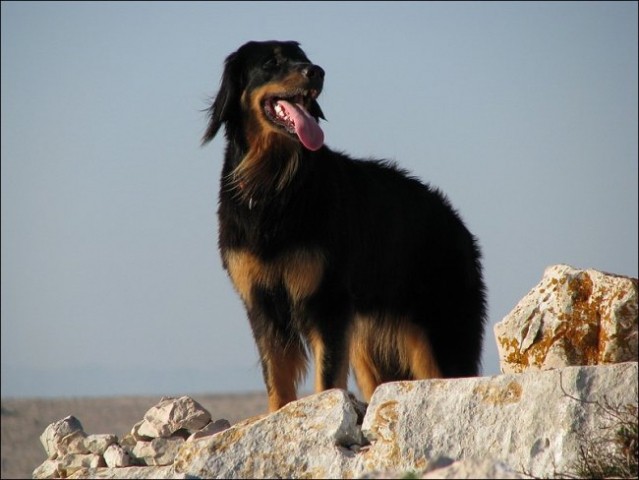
(24, 420)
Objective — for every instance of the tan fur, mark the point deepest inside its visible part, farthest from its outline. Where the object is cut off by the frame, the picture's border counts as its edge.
(264, 137)
(247, 270)
(285, 367)
(389, 343)
(376, 344)
(253, 172)
(418, 353)
(366, 374)
(317, 346)
(300, 271)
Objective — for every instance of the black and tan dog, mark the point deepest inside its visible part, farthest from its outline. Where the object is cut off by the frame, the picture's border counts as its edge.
(351, 259)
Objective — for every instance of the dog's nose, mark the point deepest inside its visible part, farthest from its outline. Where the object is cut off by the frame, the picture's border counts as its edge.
(314, 72)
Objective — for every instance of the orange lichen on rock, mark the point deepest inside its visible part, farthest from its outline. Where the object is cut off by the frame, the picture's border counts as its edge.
(573, 317)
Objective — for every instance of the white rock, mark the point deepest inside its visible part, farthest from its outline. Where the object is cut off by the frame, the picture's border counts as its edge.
(116, 456)
(129, 472)
(475, 468)
(524, 420)
(98, 443)
(210, 429)
(48, 469)
(141, 450)
(533, 423)
(159, 451)
(73, 462)
(56, 431)
(572, 317)
(72, 443)
(308, 438)
(135, 432)
(171, 415)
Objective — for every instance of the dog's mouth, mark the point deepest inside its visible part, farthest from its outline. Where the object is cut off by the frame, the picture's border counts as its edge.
(290, 113)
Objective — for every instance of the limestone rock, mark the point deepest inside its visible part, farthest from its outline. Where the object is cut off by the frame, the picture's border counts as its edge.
(572, 317)
(210, 429)
(73, 443)
(475, 468)
(309, 437)
(55, 432)
(128, 443)
(135, 432)
(171, 415)
(48, 469)
(129, 472)
(159, 451)
(99, 443)
(116, 456)
(72, 462)
(507, 426)
(524, 420)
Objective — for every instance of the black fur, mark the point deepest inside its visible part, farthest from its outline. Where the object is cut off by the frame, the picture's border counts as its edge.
(383, 245)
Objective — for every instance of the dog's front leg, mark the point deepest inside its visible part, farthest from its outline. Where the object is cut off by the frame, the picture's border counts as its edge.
(330, 352)
(281, 350)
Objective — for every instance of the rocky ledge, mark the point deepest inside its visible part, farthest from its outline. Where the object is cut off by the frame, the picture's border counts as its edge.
(573, 338)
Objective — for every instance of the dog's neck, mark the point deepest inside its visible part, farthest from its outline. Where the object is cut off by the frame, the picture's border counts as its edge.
(260, 168)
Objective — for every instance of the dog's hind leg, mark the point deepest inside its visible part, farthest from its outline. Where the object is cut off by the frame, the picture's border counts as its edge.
(366, 374)
(385, 348)
(416, 352)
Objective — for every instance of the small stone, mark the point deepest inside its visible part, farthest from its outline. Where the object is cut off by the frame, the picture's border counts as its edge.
(73, 462)
(48, 469)
(73, 443)
(170, 415)
(135, 432)
(116, 456)
(128, 443)
(159, 451)
(56, 431)
(98, 443)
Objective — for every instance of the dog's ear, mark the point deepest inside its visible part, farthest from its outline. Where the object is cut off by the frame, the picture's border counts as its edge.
(222, 106)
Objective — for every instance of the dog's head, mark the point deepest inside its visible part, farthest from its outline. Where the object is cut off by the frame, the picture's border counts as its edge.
(269, 88)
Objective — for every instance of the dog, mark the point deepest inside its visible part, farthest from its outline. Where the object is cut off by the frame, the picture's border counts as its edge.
(351, 260)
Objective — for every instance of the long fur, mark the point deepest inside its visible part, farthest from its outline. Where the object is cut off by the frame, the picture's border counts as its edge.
(353, 261)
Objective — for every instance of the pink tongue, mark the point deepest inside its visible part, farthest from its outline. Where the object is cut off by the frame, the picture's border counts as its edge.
(306, 127)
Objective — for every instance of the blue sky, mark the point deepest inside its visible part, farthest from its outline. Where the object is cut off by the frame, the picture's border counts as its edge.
(524, 114)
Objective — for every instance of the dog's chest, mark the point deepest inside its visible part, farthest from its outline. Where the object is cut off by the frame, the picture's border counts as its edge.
(269, 226)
